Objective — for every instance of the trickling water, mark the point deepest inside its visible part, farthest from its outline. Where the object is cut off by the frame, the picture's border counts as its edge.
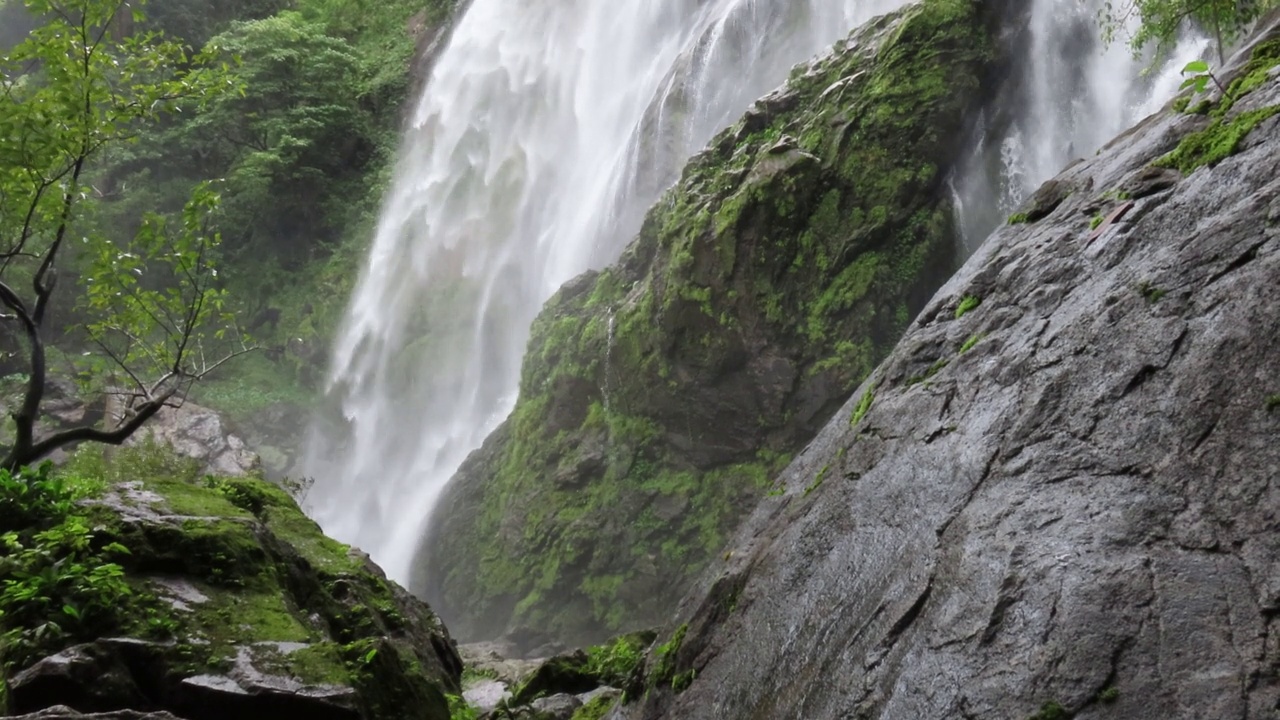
(545, 131)
(608, 361)
(1069, 98)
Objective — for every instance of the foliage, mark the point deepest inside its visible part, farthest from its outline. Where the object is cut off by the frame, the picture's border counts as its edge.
(59, 583)
(596, 708)
(1161, 21)
(305, 149)
(967, 304)
(665, 669)
(1051, 710)
(459, 709)
(615, 662)
(1226, 131)
(1199, 76)
(74, 88)
(290, 137)
(194, 22)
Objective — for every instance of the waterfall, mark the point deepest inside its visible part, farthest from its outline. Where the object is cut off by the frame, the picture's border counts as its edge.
(545, 131)
(1071, 96)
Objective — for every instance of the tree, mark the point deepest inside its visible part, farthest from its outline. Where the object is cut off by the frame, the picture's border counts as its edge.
(297, 132)
(150, 310)
(1162, 20)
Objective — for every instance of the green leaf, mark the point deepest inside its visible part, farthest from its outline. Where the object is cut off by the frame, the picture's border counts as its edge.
(1196, 66)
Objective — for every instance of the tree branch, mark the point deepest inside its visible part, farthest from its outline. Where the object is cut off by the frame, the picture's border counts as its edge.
(109, 437)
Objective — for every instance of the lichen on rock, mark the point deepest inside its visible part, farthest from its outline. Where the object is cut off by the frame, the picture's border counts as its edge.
(659, 396)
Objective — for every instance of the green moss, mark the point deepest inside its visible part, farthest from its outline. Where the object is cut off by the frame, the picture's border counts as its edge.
(617, 663)
(928, 374)
(1152, 293)
(665, 669)
(825, 257)
(460, 710)
(817, 479)
(1109, 695)
(967, 304)
(317, 664)
(473, 674)
(1019, 219)
(864, 405)
(973, 340)
(1051, 711)
(256, 588)
(595, 709)
(1217, 142)
(1096, 221)
(1272, 403)
(1222, 138)
(682, 681)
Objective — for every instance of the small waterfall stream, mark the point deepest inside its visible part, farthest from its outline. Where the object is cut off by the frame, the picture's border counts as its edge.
(545, 131)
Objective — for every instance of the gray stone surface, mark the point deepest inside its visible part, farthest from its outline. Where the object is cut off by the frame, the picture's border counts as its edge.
(1081, 508)
(200, 433)
(556, 707)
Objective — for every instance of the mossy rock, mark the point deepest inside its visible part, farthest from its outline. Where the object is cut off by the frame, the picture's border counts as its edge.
(660, 395)
(237, 605)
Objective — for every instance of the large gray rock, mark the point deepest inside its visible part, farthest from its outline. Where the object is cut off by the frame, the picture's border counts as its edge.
(1061, 503)
(200, 433)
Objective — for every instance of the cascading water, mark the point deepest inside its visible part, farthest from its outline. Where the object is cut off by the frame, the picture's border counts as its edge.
(1071, 97)
(545, 131)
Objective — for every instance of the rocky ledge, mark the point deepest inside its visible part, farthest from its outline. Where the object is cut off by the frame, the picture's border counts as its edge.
(140, 587)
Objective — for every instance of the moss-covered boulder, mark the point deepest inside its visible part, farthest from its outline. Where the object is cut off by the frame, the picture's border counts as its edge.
(138, 584)
(660, 395)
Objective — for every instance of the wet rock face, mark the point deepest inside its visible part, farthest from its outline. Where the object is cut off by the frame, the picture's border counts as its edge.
(1057, 497)
(660, 395)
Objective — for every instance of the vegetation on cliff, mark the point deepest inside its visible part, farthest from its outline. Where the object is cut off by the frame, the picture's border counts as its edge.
(1161, 22)
(659, 396)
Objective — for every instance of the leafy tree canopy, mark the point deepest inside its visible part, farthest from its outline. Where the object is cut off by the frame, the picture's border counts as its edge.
(150, 308)
(1161, 21)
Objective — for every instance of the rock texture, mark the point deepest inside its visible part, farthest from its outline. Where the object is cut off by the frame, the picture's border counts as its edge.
(199, 433)
(233, 605)
(1059, 496)
(193, 431)
(661, 395)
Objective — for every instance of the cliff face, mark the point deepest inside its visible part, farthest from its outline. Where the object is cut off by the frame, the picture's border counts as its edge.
(660, 396)
(1057, 497)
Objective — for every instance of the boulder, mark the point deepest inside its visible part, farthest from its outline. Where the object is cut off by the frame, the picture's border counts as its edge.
(199, 433)
(235, 606)
(1057, 497)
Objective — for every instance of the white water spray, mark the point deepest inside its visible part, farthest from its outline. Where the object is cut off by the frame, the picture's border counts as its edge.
(1070, 96)
(545, 131)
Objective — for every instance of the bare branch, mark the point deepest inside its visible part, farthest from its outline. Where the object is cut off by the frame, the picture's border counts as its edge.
(142, 414)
